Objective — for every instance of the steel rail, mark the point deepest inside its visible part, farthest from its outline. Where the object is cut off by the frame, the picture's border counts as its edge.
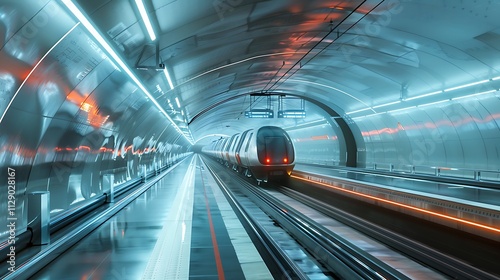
(280, 265)
(338, 255)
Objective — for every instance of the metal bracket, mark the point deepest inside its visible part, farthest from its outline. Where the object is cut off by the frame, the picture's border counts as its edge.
(159, 66)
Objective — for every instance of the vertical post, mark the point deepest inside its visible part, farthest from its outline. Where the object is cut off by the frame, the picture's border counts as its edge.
(144, 172)
(108, 187)
(39, 215)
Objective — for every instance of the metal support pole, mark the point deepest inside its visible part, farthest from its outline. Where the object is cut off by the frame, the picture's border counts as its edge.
(108, 187)
(39, 215)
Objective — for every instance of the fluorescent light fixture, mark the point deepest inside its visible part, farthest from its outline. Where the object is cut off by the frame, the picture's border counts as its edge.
(402, 109)
(178, 103)
(165, 71)
(292, 114)
(86, 23)
(475, 94)
(424, 95)
(145, 18)
(182, 112)
(386, 104)
(259, 113)
(433, 103)
(370, 115)
(467, 85)
(496, 78)
(357, 111)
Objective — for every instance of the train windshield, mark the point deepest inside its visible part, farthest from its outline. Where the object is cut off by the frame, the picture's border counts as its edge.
(275, 149)
(274, 146)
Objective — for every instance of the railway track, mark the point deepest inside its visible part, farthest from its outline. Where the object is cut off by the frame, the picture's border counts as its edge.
(339, 258)
(445, 264)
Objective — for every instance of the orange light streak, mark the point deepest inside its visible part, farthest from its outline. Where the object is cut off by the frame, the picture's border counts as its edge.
(403, 205)
(432, 125)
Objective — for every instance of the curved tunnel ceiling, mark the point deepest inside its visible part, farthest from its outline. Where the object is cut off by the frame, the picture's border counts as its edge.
(355, 57)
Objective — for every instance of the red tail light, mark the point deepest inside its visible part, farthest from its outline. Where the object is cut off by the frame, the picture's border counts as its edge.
(268, 160)
(285, 160)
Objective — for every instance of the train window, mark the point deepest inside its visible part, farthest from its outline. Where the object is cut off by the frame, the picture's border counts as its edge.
(243, 138)
(234, 144)
(229, 142)
(248, 143)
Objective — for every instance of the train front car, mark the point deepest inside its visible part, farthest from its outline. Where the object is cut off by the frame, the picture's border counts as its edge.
(272, 154)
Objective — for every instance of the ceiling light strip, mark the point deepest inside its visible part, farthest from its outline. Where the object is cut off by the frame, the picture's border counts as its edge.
(424, 95)
(466, 85)
(386, 104)
(145, 19)
(165, 71)
(86, 23)
(360, 110)
(475, 94)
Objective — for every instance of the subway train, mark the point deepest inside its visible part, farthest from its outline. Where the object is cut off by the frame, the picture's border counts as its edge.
(266, 153)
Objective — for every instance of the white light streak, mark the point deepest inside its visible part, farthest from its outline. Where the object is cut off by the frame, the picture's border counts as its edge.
(145, 19)
(466, 85)
(86, 23)
(33, 70)
(165, 71)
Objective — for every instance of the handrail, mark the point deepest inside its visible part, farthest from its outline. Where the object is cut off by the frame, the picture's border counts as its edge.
(475, 174)
(480, 175)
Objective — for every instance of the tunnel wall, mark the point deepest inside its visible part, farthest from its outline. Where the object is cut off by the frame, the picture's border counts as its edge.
(74, 116)
(317, 144)
(462, 134)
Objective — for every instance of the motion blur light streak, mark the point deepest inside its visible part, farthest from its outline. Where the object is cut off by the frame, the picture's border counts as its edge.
(33, 70)
(403, 205)
(93, 31)
(88, 105)
(431, 125)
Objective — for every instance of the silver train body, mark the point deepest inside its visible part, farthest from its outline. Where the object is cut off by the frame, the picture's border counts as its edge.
(264, 153)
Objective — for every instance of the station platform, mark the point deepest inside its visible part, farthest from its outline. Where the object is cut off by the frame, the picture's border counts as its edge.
(181, 228)
(466, 207)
